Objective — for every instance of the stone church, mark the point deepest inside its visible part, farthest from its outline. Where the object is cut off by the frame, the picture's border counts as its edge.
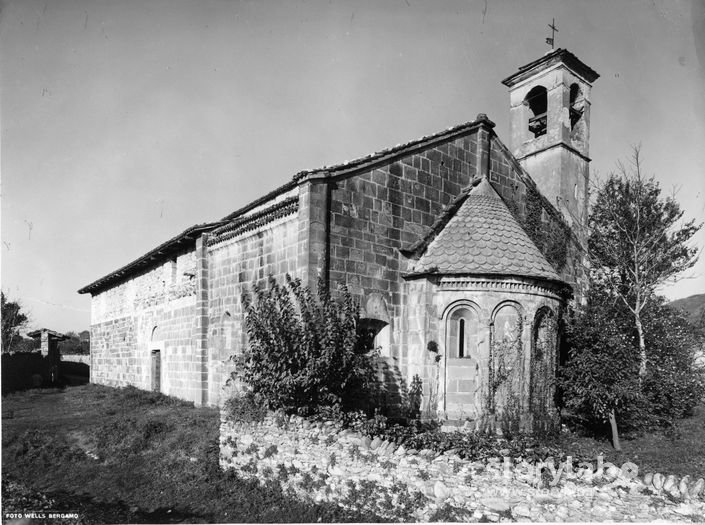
(462, 252)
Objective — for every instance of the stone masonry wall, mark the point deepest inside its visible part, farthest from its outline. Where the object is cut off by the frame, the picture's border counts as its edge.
(545, 226)
(321, 462)
(458, 388)
(152, 311)
(376, 213)
(234, 266)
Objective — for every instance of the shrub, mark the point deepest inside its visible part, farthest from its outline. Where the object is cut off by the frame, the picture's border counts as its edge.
(246, 409)
(674, 382)
(600, 376)
(302, 348)
(603, 362)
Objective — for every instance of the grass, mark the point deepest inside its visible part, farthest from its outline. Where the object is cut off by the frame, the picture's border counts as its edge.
(679, 451)
(124, 455)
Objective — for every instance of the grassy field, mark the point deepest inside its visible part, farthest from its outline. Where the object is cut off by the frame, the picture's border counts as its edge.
(680, 451)
(128, 456)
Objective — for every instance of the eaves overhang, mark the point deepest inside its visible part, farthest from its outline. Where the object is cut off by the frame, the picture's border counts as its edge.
(549, 60)
(177, 244)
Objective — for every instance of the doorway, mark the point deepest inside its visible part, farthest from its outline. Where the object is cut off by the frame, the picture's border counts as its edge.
(156, 371)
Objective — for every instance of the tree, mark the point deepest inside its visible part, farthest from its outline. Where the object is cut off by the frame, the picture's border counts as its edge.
(637, 242)
(675, 381)
(13, 320)
(599, 379)
(72, 345)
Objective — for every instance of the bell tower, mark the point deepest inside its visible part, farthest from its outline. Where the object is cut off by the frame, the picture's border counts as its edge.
(550, 129)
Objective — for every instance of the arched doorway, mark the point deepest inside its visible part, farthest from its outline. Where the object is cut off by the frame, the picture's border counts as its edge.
(155, 346)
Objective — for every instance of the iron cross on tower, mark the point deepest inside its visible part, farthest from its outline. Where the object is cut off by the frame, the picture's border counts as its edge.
(554, 30)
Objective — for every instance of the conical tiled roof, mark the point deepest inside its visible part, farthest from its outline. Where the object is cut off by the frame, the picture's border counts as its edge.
(483, 237)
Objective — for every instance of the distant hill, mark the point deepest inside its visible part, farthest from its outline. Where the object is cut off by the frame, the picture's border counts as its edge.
(694, 306)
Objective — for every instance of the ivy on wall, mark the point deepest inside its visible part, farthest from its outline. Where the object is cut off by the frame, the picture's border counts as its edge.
(552, 239)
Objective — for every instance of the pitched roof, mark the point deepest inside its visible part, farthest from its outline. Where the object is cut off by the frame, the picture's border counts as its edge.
(173, 245)
(238, 225)
(550, 59)
(389, 154)
(483, 237)
(235, 220)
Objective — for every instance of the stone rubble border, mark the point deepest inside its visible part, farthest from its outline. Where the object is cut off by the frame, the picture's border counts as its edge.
(322, 462)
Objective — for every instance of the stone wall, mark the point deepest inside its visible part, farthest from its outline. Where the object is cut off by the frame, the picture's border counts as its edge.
(458, 388)
(186, 311)
(235, 265)
(322, 462)
(24, 370)
(546, 227)
(153, 311)
(76, 358)
(376, 213)
(351, 226)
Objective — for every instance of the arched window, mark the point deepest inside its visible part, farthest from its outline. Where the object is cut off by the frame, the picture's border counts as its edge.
(155, 351)
(577, 104)
(463, 330)
(537, 100)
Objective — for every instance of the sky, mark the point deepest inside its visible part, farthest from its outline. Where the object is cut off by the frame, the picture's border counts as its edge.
(125, 122)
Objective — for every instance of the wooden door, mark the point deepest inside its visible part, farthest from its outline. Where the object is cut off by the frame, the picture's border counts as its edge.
(156, 371)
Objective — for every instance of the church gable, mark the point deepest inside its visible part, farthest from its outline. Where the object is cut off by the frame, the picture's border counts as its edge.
(379, 209)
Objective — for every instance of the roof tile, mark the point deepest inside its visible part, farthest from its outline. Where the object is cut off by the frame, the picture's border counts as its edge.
(483, 237)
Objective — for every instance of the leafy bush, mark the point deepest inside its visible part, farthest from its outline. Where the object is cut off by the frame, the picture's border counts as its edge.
(674, 382)
(602, 371)
(246, 409)
(302, 351)
(419, 435)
